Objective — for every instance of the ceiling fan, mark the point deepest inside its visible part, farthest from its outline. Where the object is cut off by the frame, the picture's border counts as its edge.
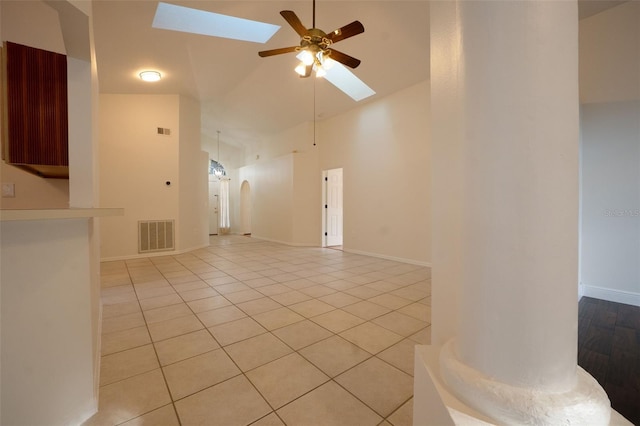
(315, 48)
(315, 51)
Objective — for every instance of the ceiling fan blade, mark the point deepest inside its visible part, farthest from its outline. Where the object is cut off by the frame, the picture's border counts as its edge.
(293, 20)
(343, 58)
(347, 31)
(280, 51)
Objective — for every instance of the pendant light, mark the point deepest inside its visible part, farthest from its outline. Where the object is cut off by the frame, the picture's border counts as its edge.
(215, 168)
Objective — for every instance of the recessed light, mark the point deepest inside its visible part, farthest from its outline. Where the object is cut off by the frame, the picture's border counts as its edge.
(150, 76)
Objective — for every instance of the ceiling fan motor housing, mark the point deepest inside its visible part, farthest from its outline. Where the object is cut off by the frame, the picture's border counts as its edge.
(317, 42)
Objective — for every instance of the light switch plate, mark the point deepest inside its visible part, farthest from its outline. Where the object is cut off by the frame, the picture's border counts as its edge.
(8, 190)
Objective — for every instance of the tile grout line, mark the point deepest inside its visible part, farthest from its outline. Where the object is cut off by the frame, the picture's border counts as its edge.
(305, 318)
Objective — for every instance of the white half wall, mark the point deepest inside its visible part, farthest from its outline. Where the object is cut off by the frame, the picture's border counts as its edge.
(47, 336)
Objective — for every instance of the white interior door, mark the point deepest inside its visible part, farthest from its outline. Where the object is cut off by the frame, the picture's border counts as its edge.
(213, 207)
(334, 207)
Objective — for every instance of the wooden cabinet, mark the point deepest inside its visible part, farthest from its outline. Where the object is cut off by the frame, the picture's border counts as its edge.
(35, 112)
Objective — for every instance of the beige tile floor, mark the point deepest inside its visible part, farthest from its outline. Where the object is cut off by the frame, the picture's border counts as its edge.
(253, 332)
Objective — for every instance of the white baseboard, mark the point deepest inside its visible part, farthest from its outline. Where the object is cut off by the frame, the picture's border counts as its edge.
(609, 294)
(383, 256)
(153, 254)
(286, 243)
(346, 250)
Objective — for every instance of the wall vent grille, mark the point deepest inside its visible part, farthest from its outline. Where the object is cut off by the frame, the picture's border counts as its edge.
(156, 235)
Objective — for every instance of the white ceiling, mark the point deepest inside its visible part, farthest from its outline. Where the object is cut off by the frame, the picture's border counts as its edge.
(242, 94)
(245, 96)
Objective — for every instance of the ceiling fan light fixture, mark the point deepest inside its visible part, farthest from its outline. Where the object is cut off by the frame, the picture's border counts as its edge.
(301, 69)
(306, 57)
(320, 71)
(150, 76)
(328, 63)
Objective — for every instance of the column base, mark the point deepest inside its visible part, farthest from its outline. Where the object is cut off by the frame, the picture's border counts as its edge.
(477, 400)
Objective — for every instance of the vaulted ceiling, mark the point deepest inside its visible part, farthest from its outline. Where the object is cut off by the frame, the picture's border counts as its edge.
(242, 94)
(246, 96)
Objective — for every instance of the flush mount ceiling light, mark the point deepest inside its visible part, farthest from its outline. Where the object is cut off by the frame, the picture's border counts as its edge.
(150, 76)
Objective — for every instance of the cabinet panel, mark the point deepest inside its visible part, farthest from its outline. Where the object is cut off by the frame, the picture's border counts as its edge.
(36, 111)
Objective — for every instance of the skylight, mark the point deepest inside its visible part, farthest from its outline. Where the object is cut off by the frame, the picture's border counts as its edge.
(345, 80)
(340, 76)
(185, 19)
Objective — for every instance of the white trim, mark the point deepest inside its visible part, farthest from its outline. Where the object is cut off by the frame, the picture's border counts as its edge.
(287, 243)
(323, 214)
(610, 294)
(153, 254)
(580, 291)
(98, 357)
(395, 259)
(56, 214)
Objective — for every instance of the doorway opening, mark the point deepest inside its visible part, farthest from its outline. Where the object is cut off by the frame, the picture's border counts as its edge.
(332, 214)
(214, 187)
(245, 208)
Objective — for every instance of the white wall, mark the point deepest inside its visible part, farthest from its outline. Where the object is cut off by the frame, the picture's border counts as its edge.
(230, 156)
(135, 164)
(609, 55)
(193, 189)
(383, 147)
(285, 182)
(610, 150)
(611, 200)
(34, 24)
(307, 199)
(272, 198)
(296, 139)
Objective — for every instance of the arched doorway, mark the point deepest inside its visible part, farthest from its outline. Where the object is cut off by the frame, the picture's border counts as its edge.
(245, 208)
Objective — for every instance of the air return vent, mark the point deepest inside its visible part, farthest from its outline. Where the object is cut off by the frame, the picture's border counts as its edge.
(155, 235)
